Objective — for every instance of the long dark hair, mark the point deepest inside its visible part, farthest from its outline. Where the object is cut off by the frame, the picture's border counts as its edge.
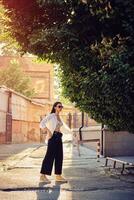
(54, 105)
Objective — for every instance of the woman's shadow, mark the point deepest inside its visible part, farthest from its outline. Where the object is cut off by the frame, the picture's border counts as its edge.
(48, 191)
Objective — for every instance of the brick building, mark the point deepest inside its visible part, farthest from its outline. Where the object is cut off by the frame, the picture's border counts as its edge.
(41, 74)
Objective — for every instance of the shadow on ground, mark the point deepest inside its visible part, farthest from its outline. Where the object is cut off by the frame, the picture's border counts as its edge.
(48, 193)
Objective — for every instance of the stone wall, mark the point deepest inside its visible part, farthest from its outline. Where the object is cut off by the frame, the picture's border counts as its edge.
(118, 143)
(20, 117)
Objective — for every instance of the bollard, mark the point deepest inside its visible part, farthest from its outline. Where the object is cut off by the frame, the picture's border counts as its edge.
(98, 151)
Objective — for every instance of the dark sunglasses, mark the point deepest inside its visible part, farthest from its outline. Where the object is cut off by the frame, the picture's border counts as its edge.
(60, 106)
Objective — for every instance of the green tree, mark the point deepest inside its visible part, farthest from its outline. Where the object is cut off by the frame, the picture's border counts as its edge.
(58, 89)
(8, 44)
(92, 41)
(13, 77)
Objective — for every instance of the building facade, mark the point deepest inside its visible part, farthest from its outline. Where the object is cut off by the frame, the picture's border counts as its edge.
(42, 75)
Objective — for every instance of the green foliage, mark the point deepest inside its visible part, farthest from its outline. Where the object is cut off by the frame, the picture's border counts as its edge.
(13, 77)
(8, 44)
(93, 43)
(58, 89)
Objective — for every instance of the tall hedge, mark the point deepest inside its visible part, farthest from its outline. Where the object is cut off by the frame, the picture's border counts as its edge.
(93, 42)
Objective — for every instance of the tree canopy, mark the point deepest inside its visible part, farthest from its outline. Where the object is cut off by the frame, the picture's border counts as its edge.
(8, 44)
(93, 42)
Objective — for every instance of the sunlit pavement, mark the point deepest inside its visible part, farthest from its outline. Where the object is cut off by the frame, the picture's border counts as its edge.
(87, 178)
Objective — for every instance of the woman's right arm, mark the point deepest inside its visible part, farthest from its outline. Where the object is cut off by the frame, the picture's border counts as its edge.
(44, 121)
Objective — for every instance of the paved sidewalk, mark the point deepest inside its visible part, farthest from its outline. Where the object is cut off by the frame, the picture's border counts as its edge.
(10, 154)
(87, 178)
(7, 150)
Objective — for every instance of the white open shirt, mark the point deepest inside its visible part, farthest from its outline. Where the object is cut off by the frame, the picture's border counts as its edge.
(50, 121)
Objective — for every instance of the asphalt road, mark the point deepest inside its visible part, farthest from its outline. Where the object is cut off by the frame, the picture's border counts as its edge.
(87, 178)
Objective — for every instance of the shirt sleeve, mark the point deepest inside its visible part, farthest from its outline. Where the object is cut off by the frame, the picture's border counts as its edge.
(44, 121)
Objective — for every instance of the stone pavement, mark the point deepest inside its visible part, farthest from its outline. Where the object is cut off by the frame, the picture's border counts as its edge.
(87, 178)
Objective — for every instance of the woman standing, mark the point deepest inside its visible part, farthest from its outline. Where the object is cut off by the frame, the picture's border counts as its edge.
(52, 124)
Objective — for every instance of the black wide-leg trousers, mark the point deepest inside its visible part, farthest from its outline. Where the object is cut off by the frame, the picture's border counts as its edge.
(54, 153)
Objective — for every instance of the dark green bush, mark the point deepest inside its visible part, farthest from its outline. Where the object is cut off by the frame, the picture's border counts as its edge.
(94, 44)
